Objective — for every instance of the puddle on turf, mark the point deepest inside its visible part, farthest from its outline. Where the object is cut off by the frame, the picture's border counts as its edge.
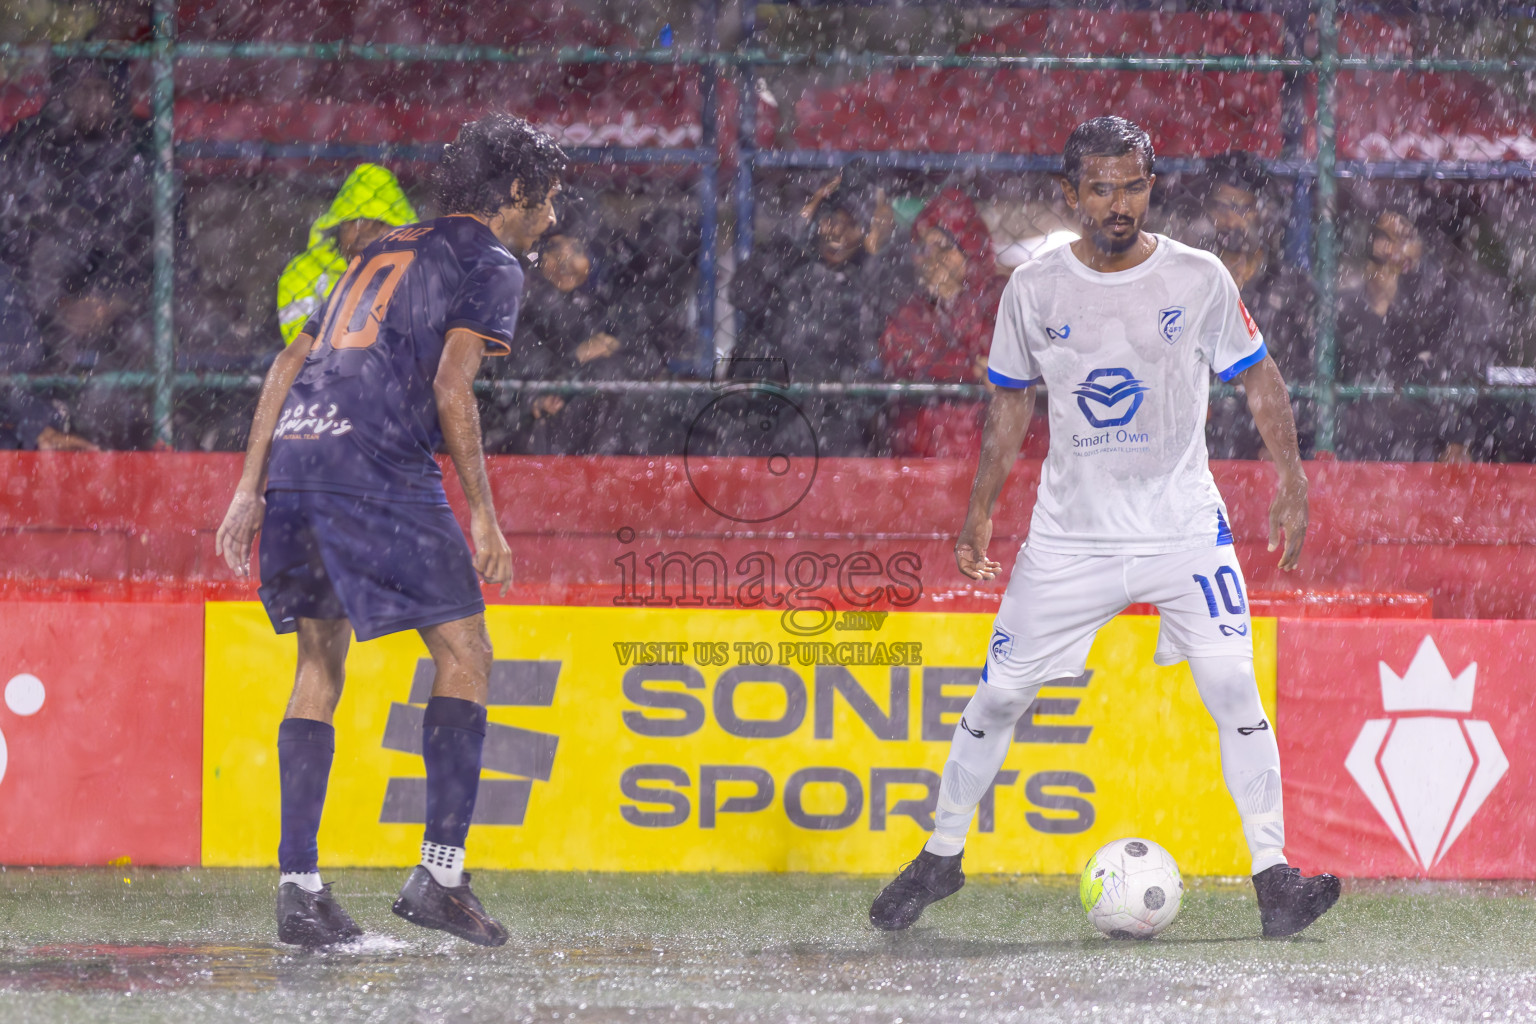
(109, 968)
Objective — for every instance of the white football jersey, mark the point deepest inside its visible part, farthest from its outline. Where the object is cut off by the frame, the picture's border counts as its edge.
(1126, 359)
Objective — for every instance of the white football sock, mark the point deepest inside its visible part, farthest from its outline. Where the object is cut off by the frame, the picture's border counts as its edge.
(975, 754)
(309, 880)
(446, 863)
(1250, 757)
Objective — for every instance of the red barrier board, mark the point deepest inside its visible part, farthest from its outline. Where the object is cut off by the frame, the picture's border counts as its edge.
(140, 526)
(101, 730)
(1405, 747)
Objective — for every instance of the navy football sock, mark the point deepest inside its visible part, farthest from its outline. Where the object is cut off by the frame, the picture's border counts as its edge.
(304, 750)
(452, 735)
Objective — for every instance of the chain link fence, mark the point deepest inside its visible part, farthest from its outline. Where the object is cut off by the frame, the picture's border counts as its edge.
(817, 201)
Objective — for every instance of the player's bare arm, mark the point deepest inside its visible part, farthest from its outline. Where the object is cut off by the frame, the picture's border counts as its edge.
(1008, 416)
(1270, 405)
(459, 416)
(247, 507)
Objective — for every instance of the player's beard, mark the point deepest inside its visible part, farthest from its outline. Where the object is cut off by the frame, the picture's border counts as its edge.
(1108, 243)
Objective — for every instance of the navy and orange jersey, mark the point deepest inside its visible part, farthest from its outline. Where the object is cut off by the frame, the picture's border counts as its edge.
(361, 417)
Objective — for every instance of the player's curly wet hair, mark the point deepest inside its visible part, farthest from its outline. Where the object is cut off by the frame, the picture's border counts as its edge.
(1104, 136)
(479, 166)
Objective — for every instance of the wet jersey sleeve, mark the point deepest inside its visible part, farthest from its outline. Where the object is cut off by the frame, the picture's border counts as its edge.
(1231, 339)
(315, 322)
(487, 305)
(1010, 365)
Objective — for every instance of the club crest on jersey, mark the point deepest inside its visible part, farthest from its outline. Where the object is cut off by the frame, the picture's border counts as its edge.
(1110, 396)
(1002, 645)
(1170, 323)
(1059, 334)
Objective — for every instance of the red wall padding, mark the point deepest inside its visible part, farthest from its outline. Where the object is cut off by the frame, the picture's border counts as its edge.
(142, 524)
(1404, 748)
(109, 764)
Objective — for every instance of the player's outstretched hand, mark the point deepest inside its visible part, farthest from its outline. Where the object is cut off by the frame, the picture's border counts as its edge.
(493, 558)
(971, 551)
(238, 531)
(1288, 516)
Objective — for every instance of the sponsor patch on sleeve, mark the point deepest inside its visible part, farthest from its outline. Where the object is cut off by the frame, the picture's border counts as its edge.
(1253, 328)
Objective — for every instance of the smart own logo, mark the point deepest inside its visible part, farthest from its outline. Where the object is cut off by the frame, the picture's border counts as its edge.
(1109, 390)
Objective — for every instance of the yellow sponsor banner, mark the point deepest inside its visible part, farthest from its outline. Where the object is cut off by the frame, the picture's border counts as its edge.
(704, 740)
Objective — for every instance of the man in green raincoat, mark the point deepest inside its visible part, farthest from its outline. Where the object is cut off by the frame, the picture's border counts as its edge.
(369, 204)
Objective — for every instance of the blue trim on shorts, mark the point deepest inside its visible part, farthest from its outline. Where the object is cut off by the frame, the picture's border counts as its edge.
(1223, 531)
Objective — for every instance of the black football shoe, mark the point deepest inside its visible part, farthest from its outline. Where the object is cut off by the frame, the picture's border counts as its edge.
(925, 880)
(1288, 901)
(312, 919)
(456, 911)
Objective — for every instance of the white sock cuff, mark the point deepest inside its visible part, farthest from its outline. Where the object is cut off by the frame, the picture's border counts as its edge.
(941, 845)
(445, 863)
(1265, 859)
(307, 880)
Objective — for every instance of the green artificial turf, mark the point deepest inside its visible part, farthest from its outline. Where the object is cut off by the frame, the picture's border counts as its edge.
(198, 945)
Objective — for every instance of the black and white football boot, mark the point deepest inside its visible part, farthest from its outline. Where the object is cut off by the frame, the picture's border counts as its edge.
(312, 919)
(456, 911)
(925, 880)
(1289, 901)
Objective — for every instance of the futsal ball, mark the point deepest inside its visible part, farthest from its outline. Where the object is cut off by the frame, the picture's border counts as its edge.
(1131, 889)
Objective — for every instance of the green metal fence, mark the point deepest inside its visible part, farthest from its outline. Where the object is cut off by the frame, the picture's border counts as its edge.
(1323, 169)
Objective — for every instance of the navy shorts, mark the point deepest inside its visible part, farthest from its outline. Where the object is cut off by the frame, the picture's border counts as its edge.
(384, 565)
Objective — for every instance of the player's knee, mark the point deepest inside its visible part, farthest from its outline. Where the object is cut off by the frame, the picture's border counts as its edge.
(999, 706)
(462, 658)
(474, 652)
(323, 643)
(1229, 690)
(317, 690)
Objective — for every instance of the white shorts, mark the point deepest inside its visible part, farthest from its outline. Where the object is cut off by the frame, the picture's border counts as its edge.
(1055, 605)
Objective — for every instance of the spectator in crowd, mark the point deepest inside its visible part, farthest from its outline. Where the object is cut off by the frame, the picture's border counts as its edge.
(1278, 294)
(654, 278)
(27, 420)
(820, 304)
(369, 204)
(570, 328)
(1407, 320)
(225, 321)
(655, 287)
(75, 224)
(944, 329)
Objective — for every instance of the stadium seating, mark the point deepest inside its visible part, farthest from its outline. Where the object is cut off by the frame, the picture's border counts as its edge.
(1381, 116)
(955, 110)
(303, 101)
